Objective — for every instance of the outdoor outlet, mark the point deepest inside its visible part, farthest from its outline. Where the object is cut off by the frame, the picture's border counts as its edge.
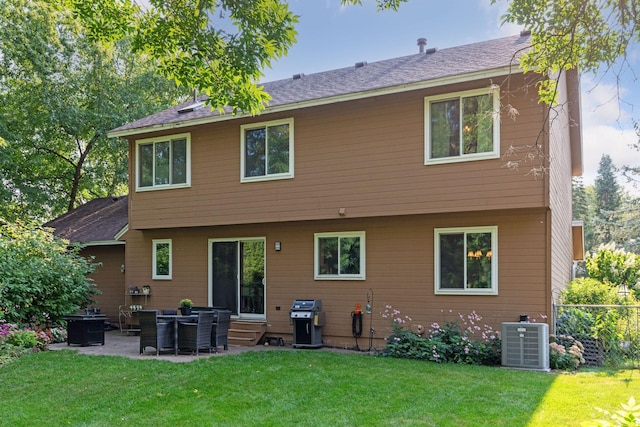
(277, 308)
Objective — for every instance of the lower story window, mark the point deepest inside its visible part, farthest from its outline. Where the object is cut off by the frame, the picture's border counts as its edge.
(161, 259)
(340, 256)
(466, 260)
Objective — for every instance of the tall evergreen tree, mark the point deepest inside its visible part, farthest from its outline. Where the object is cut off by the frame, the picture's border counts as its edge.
(580, 204)
(608, 198)
(583, 204)
(607, 187)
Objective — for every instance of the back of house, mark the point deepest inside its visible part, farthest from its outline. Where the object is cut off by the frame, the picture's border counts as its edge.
(379, 184)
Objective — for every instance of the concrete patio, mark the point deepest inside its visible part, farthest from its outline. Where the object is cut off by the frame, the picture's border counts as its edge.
(117, 344)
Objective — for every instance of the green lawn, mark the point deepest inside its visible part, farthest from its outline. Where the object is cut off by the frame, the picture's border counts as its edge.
(297, 388)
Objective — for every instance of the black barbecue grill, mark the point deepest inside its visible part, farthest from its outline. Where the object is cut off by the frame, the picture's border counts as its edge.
(307, 319)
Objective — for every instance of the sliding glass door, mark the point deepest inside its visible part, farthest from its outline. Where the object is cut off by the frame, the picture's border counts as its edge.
(237, 276)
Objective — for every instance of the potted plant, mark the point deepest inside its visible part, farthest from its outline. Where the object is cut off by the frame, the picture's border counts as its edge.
(185, 306)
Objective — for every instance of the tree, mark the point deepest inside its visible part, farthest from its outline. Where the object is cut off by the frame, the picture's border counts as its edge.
(632, 172)
(580, 204)
(216, 47)
(59, 95)
(567, 34)
(606, 184)
(583, 209)
(41, 279)
(627, 233)
(607, 202)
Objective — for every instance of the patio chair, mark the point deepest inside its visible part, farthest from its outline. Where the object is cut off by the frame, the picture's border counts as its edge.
(194, 336)
(169, 311)
(158, 335)
(220, 330)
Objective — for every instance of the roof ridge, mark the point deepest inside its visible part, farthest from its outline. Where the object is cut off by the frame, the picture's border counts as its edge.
(396, 58)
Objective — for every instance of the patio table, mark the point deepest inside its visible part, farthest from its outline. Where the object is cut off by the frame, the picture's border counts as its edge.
(177, 318)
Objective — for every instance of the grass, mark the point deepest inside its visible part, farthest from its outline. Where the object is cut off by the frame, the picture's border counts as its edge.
(297, 388)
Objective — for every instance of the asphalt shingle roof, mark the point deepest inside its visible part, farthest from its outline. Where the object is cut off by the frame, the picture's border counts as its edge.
(405, 70)
(98, 220)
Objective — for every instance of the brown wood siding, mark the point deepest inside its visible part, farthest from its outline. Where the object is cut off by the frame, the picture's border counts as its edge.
(366, 156)
(399, 270)
(560, 192)
(108, 278)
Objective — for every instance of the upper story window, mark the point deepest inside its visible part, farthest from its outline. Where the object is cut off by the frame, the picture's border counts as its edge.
(161, 259)
(340, 256)
(466, 260)
(267, 151)
(163, 162)
(462, 126)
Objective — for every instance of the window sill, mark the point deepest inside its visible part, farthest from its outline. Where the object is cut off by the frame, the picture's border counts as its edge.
(266, 178)
(489, 292)
(461, 159)
(162, 187)
(339, 278)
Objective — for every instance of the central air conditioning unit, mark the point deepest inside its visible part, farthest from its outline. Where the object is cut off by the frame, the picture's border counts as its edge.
(525, 345)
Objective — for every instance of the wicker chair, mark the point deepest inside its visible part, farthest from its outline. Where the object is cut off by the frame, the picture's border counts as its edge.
(158, 335)
(220, 330)
(194, 336)
(169, 311)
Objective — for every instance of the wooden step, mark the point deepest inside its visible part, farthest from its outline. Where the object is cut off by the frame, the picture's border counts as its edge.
(246, 333)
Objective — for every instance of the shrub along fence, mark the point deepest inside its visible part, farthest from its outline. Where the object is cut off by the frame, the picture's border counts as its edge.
(610, 334)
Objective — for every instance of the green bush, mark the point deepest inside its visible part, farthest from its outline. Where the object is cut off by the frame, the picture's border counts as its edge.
(603, 324)
(15, 342)
(23, 338)
(591, 291)
(41, 277)
(614, 266)
(576, 323)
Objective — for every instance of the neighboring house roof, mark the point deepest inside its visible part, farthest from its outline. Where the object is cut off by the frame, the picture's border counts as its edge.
(391, 75)
(97, 222)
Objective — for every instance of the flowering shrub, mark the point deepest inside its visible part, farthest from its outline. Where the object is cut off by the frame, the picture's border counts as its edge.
(57, 334)
(565, 353)
(614, 266)
(393, 315)
(464, 342)
(15, 341)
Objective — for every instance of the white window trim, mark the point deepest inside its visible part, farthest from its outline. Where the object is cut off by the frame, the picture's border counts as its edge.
(165, 138)
(154, 273)
(316, 252)
(271, 177)
(493, 90)
(494, 261)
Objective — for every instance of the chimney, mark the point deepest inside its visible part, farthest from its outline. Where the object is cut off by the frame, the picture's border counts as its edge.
(422, 42)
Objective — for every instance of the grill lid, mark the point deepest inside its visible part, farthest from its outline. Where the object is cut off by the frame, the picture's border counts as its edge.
(307, 305)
